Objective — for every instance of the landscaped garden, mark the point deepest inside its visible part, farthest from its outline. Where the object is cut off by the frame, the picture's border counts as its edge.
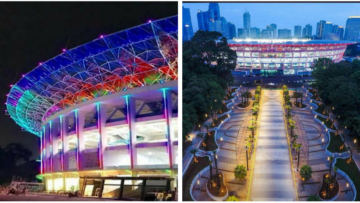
(192, 171)
(327, 122)
(321, 109)
(336, 144)
(352, 171)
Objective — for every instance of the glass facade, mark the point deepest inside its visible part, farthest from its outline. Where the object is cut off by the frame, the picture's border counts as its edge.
(297, 58)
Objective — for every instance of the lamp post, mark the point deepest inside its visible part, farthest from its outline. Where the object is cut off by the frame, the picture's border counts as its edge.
(347, 187)
(355, 143)
(298, 159)
(247, 157)
(328, 160)
(198, 183)
(221, 140)
(322, 140)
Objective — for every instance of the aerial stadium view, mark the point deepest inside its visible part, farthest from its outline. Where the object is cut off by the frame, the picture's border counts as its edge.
(269, 115)
(106, 114)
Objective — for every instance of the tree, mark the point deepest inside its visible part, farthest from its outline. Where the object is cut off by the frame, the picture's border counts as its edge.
(313, 198)
(240, 172)
(306, 172)
(288, 109)
(256, 110)
(193, 151)
(292, 123)
(335, 169)
(232, 199)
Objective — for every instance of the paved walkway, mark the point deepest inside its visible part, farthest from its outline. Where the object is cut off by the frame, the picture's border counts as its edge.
(272, 178)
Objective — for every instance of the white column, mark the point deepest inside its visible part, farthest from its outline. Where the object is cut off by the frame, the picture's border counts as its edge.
(170, 128)
(65, 144)
(80, 121)
(131, 116)
(101, 122)
(47, 149)
(51, 140)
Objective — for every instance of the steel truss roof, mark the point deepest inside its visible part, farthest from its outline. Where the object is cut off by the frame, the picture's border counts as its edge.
(139, 56)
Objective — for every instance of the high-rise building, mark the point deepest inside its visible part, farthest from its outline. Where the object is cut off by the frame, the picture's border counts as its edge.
(273, 28)
(284, 33)
(241, 33)
(352, 29)
(246, 18)
(216, 10)
(297, 31)
(303, 32)
(203, 20)
(267, 34)
(187, 25)
(328, 29)
(320, 29)
(341, 32)
(224, 27)
(232, 30)
(254, 32)
(308, 31)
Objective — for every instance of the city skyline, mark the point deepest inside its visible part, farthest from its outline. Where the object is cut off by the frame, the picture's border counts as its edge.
(260, 11)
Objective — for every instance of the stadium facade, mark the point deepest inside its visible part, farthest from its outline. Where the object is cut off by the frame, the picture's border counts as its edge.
(282, 56)
(106, 113)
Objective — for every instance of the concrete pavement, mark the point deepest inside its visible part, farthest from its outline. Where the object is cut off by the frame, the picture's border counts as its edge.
(272, 178)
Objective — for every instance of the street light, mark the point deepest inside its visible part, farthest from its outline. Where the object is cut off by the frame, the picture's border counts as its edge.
(221, 140)
(322, 140)
(355, 143)
(247, 158)
(198, 183)
(347, 187)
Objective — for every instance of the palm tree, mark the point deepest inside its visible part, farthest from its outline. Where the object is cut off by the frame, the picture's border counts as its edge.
(210, 164)
(305, 172)
(217, 169)
(335, 169)
(240, 172)
(194, 151)
(232, 199)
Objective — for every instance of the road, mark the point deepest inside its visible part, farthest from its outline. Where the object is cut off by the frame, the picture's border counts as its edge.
(272, 175)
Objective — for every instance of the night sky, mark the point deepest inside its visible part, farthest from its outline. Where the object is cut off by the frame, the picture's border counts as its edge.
(284, 15)
(31, 32)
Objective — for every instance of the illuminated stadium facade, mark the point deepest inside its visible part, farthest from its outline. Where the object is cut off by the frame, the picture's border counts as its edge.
(107, 108)
(288, 57)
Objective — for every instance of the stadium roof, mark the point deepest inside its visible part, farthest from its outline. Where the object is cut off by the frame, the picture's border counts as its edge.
(287, 41)
(139, 56)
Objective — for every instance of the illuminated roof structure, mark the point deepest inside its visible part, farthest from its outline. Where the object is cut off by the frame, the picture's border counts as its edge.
(136, 57)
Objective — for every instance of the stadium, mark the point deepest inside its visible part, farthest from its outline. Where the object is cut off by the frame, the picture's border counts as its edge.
(283, 57)
(106, 113)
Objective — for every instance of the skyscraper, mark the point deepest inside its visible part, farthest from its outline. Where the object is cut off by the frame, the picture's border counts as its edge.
(216, 10)
(352, 29)
(254, 32)
(341, 32)
(320, 29)
(308, 31)
(232, 30)
(328, 29)
(187, 25)
(297, 31)
(241, 33)
(224, 27)
(246, 19)
(203, 20)
(284, 33)
(303, 32)
(273, 28)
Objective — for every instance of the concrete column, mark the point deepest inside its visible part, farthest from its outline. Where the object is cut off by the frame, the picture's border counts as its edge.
(41, 153)
(47, 149)
(51, 140)
(131, 116)
(80, 121)
(170, 128)
(65, 144)
(101, 123)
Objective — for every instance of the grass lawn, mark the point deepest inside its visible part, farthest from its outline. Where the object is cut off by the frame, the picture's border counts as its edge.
(190, 174)
(327, 123)
(320, 109)
(335, 143)
(352, 171)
